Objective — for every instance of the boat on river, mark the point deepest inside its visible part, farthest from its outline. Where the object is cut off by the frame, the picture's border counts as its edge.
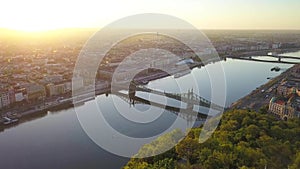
(7, 120)
(276, 69)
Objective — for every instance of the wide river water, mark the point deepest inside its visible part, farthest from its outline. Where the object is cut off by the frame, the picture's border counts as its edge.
(57, 141)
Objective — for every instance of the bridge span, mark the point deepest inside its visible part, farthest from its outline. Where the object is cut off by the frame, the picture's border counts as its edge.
(191, 99)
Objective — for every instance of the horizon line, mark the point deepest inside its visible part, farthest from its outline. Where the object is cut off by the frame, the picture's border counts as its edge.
(99, 28)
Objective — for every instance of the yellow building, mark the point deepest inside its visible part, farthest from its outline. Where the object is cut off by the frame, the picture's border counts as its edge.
(35, 91)
(283, 109)
(54, 90)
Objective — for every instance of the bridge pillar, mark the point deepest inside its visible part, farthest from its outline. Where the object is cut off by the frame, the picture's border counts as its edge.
(189, 113)
(190, 94)
(131, 92)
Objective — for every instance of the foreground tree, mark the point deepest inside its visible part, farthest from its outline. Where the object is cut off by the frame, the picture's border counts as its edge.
(243, 139)
(296, 163)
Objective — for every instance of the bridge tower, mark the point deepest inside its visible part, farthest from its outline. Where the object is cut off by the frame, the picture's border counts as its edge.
(132, 91)
(190, 106)
(190, 94)
(279, 58)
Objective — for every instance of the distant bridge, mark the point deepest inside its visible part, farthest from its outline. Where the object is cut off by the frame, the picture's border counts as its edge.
(287, 57)
(280, 59)
(266, 61)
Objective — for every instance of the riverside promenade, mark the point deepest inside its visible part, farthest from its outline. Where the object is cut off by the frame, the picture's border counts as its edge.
(261, 96)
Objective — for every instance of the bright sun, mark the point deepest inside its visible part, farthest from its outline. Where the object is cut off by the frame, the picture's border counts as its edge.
(37, 15)
(31, 27)
(44, 15)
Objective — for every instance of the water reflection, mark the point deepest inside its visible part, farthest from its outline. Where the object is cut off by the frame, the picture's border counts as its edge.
(56, 140)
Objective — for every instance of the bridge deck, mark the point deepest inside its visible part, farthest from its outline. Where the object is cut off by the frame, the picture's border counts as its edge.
(267, 61)
(287, 57)
(187, 111)
(191, 98)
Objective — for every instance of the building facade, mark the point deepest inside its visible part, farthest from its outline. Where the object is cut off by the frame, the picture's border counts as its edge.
(284, 109)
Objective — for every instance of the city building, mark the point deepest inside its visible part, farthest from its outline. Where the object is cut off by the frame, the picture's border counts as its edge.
(285, 109)
(12, 98)
(77, 83)
(296, 72)
(4, 97)
(35, 91)
(53, 78)
(55, 89)
(287, 88)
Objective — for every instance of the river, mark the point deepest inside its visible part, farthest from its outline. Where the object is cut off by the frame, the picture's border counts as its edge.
(57, 140)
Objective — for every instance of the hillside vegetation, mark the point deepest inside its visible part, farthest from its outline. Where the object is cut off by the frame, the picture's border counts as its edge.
(244, 139)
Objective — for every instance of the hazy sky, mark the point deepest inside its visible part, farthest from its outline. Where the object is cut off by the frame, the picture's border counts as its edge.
(33, 15)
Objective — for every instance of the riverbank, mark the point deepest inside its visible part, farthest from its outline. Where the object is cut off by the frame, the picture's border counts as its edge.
(24, 116)
(80, 98)
(68, 101)
(261, 96)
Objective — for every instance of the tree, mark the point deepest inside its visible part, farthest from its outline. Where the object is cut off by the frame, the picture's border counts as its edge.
(296, 163)
(243, 139)
(188, 149)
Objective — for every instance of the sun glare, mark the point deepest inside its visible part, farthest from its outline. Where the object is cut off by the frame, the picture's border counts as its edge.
(33, 28)
(37, 15)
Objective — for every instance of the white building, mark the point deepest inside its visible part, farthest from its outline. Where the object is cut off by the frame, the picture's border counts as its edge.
(5, 99)
(19, 97)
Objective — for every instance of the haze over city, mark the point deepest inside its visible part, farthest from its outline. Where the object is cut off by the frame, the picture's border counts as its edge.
(140, 84)
(35, 15)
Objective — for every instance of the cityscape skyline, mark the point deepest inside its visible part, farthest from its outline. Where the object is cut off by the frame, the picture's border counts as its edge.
(140, 84)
